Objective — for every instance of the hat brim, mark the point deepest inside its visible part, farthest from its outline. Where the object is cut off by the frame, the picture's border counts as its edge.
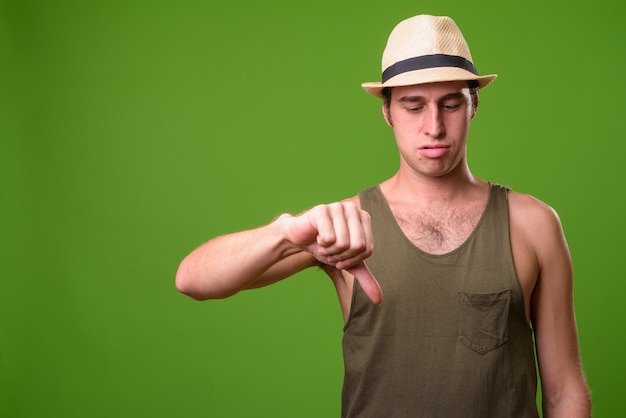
(428, 75)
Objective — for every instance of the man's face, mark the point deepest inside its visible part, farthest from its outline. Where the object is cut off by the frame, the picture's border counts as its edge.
(431, 123)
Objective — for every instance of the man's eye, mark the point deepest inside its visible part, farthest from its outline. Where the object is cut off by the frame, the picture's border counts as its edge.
(450, 107)
(414, 109)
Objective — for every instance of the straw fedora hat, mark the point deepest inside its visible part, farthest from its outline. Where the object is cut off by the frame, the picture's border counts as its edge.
(426, 49)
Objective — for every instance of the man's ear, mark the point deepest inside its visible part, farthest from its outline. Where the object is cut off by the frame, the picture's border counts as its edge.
(387, 114)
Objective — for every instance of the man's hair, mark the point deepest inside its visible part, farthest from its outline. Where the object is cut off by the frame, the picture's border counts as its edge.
(386, 96)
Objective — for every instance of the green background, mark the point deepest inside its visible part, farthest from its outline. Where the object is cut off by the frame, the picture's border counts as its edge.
(132, 131)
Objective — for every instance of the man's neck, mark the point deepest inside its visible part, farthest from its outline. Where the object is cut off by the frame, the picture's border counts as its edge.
(413, 189)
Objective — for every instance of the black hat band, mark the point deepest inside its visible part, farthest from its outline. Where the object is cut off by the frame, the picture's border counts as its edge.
(427, 61)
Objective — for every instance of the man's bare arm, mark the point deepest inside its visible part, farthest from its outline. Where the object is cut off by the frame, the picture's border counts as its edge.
(338, 235)
(227, 264)
(565, 392)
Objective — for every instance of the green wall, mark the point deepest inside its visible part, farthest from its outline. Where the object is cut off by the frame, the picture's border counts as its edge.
(132, 131)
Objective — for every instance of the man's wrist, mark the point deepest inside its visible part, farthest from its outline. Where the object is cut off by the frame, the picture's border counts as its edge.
(280, 228)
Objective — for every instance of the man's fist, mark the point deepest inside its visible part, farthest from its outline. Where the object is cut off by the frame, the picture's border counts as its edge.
(337, 234)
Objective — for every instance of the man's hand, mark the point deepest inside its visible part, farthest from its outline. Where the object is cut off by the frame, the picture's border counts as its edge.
(367, 281)
(339, 235)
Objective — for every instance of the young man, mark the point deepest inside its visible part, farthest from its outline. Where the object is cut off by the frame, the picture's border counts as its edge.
(465, 266)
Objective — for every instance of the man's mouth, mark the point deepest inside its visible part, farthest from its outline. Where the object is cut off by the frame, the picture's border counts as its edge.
(433, 151)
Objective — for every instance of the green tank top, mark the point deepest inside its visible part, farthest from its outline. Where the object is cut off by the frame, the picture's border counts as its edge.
(450, 338)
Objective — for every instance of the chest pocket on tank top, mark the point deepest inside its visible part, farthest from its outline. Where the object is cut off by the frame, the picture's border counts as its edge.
(484, 320)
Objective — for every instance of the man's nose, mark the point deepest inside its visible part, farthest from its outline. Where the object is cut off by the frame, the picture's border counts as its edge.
(434, 126)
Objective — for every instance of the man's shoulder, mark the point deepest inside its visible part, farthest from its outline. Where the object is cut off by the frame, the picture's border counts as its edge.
(527, 202)
(356, 199)
(531, 212)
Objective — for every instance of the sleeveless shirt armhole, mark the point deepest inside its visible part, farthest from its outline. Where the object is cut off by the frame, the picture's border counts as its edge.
(363, 197)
